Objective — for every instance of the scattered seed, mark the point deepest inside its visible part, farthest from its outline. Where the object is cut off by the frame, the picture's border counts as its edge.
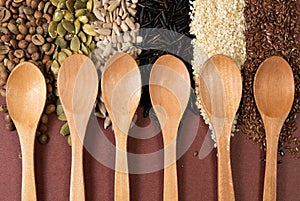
(64, 130)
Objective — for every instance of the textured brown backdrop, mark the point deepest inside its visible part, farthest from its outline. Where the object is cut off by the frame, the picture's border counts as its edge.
(197, 178)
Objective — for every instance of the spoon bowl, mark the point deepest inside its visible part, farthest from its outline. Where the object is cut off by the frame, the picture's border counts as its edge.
(220, 91)
(26, 97)
(274, 94)
(84, 96)
(121, 92)
(169, 87)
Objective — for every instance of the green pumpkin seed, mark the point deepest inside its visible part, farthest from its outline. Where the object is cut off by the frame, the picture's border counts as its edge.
(81, 12)
(61, 4)
(62, 117)
(91, 17)
(58, 15)
(67, 51)
(88, 29)
(69, 140)
(70, 5)
(82, 36)
(92, 46)
(60, 42)
(52, 29)
(89, 40)
(68, 26)
(69, 36)
(59, 110)
(83, 19)
(55, 54)
(77, 26)
(75, 44)
(64, 130)
(84, 49)
(89, 5)
(61, 57)
(69, 16)
(54, 2)
(55, 67)
(60, 30)
(79, 4)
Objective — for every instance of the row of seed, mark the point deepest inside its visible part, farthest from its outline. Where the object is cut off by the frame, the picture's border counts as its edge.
(47, 32)
(272, 28)
(72, 33)
(24, 37)
(266, 28)
(80, 26)
(219, 29)
(117, 32)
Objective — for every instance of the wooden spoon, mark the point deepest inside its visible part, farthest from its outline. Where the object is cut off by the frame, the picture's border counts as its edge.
(220, 92)
(121, 92)
(72, 73)
(274, 95)
(170, 92)
(26, 97)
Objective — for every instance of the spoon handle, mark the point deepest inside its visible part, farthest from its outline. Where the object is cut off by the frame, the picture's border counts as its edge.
(270, 182)
(77, 191)
(170, 174)
(28, 177)
(270, 173)
(225, 183)
(121, 167)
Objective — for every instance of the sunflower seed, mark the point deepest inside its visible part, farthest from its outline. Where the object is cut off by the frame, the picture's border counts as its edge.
(102, 31)
(107, 122)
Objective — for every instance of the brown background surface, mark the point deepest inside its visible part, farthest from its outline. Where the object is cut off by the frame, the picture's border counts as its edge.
(197, 178)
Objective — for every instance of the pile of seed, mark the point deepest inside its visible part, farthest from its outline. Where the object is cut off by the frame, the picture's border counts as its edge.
(165, 29)
(72, 33)
(219, 29)
(24, 37)
(271, 29)
(117, 32)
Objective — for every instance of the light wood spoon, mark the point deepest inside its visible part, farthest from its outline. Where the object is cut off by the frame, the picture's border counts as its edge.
(121, 92)
(26, 97)
(274, 95)
(220, 91)
(67, 84)
(169, 91)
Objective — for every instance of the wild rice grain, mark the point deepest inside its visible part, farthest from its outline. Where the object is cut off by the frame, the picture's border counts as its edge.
(169, 20)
